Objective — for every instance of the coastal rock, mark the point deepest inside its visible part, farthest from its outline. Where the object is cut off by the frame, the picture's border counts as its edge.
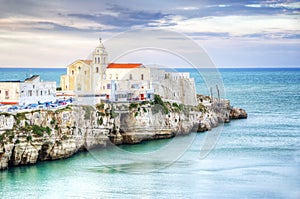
(28, 137)
(238, 113)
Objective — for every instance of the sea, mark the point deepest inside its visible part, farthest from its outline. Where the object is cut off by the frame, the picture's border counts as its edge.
(257, 157)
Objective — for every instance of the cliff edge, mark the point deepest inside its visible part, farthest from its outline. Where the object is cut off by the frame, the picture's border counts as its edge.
(39, 135)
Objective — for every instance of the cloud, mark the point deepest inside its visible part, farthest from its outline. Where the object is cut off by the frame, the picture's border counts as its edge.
(122, 17)
(72, 27)
(238, 25)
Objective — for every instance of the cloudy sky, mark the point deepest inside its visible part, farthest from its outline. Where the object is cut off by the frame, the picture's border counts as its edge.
(233, 33)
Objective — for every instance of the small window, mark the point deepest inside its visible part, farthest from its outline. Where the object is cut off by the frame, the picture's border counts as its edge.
(48, 92)
(6, 94)
(108, 86)
(30, 93)
(79, 68)
(142, 76)
(97, 70)
(117, 76)
(104, 60)
(110, 76)
(130, 76)
(98, 60)
(85, 72)
(41, 93)
(33, 86)
(95, 60)
(72, 72)
(37, 93)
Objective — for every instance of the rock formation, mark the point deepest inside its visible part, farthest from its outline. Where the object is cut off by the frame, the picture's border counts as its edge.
(28, 137)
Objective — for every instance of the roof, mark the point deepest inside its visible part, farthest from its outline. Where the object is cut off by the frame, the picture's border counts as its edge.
(86, 61)
(33, 77)
(129, 65)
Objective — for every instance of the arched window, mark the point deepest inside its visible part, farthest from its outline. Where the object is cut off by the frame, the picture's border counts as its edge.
(72, 72)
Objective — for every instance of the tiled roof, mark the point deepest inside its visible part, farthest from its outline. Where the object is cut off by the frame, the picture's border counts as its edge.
(129, 65)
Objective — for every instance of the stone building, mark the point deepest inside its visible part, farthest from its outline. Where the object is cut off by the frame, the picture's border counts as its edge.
(95, 80)
(30, 91)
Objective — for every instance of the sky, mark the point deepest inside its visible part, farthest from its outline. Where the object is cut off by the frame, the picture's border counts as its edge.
(232, 33)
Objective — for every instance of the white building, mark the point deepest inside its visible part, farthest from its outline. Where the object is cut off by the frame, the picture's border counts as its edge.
(31, 91)
(96, 79)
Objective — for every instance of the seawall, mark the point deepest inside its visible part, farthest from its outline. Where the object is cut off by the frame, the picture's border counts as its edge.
(39, 135)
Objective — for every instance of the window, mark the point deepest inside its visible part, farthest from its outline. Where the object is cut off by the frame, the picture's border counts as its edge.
(97, 70)
(95, 60)
(72, 72)
(48, 92)
(104, 60)
(85, 72)
(98, 60)
(110, 76)
(37, 93)
(108, 86)
(33, 86)
(142, 76)
(130, 76)
(41, 93)
(6, 95)
(117, 76)
(30, 93)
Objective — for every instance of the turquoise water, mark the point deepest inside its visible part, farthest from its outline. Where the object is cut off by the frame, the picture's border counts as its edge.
(254, 158)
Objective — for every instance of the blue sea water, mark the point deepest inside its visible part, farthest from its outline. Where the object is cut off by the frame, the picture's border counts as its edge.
(254, 158)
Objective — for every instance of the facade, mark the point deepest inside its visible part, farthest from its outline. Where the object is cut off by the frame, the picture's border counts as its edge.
(31, 91)
(96, 79)
(9, 92)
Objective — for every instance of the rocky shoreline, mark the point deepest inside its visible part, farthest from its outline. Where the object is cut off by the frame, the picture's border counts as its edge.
(39, 135)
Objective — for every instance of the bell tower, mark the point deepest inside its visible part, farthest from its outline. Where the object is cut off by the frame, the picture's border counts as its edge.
(99, 64)
(100, 58)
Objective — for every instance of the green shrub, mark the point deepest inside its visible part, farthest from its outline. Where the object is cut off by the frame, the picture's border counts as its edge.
(48, 130)
(133, 105)
(100, 106)
(29, 138)
(100, 121)
(53, 121)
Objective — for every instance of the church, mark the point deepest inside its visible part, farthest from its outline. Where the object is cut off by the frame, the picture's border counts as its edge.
(95, 80)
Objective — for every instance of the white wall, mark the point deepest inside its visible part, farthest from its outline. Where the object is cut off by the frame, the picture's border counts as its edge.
(34, 92)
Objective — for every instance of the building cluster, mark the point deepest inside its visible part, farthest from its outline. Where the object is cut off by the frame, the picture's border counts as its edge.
(96, 80)
(30, 91)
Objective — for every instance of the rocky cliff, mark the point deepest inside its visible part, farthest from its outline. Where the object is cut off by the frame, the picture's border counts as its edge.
(29, 137)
